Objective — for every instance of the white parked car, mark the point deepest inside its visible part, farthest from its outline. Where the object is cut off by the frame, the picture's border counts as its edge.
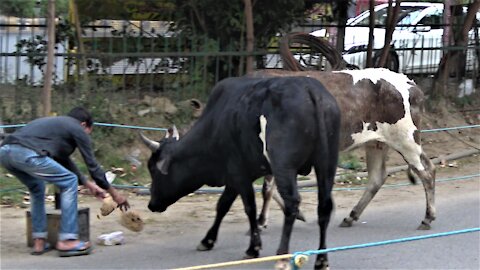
(416, 41)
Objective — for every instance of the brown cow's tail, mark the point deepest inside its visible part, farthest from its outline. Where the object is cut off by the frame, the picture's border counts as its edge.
(411, 176)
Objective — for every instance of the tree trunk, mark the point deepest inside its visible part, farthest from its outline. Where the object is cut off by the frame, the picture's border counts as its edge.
(47, 83)
(250, 34)
(450, 60)
(78, 35)
(342, 13)
(389, 28)
(446, 38)
(371, 27)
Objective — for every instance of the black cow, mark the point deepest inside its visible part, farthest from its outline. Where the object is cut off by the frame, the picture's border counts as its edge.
(380, 109)
(253, 127)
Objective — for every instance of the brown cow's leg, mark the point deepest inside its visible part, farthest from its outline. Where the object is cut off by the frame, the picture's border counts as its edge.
(376, 153)
(428, 180)
(267, 193)
(425, 170)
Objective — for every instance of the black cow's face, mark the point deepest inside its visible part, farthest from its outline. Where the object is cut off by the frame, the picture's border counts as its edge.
(176, 170)
(163, 186)
(162, 191)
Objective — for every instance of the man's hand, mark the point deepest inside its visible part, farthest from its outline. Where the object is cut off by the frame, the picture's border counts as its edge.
(121, 200)
(122, 203)
(96, 191)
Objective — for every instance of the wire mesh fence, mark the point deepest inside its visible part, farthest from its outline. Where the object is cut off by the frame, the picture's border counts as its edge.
(143, 61)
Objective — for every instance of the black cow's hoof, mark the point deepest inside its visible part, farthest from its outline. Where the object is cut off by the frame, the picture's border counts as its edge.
(321, 265)
(247, 257)
(205, 245)
(346, 222)
(251, 254)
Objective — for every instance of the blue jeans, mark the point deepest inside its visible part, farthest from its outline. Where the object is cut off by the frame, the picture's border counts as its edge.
(33, 171)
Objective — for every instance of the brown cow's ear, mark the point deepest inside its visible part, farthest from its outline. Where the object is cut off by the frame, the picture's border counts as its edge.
(163, 165)
(173, 132)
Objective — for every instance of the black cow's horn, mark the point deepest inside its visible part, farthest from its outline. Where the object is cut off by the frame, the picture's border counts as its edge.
(151, 144)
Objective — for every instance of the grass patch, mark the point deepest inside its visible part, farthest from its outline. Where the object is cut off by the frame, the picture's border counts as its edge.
(11, 189)
(350, 162)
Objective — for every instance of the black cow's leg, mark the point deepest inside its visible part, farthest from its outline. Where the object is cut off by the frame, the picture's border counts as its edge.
(376, 153)
(287, 186)
(267, 193)
(247, 194)
(223, 205)
(324, 210)
(325, 170)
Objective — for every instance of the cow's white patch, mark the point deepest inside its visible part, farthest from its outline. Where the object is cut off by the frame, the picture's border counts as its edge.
(399, 136)
(263, 128)
(399, 80)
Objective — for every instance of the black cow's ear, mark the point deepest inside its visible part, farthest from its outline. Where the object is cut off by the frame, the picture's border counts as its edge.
(163, 165)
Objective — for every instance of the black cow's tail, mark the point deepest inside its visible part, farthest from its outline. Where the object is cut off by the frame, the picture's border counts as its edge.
(328, 116)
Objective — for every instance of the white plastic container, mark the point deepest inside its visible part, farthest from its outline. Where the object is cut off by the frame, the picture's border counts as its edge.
(111, 239)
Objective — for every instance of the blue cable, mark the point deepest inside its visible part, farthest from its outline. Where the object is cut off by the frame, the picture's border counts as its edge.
(164, 129)
(127, 126)
(381, 243)
(99, 124)
(450, 128)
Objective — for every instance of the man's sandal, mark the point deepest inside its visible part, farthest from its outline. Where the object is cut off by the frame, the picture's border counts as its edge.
(80, 249)
(46, 247)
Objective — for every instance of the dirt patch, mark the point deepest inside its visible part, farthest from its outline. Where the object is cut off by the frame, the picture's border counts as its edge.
(198, 210)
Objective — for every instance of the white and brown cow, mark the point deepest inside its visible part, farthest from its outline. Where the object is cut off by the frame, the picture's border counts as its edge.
(380, 109)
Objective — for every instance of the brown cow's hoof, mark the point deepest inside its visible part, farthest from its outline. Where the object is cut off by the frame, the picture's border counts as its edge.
(347, 222)
(283, 265)
(301, 217)
(424, 226)
(205, 247)
(262, 222)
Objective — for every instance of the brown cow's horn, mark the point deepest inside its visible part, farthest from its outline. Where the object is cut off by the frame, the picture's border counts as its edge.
(151, 144)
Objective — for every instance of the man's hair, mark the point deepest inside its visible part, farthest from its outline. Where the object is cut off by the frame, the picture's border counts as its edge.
(82, 115)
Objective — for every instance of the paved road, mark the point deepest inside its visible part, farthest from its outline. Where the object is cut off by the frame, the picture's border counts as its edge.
(458, 205)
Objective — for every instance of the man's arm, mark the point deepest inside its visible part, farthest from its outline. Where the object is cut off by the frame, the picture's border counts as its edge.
(85, 148)
(71, 166)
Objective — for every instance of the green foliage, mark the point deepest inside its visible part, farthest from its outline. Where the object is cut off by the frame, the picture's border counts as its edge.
(18, 8)
(224, 21)
(36, 46)
(350, 162)
(124, 9)
(11, 189)
(26, 8)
